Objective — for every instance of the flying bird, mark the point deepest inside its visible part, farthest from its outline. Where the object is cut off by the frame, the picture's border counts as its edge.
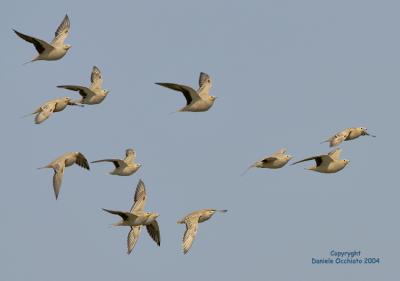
(54, 50)
(329, 163)
(192, 221)
(59, 165)
(124, 167)
(196, 101)
(95, 94)
(274, 161)
(47, 109)
(137, 217)
(346, 135)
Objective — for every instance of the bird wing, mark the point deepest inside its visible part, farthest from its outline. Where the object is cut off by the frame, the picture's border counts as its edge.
(269, 159)
(82, 161)
(203, 78)
(140, 198)
(45, 111)
(83, 91)
(123, 215)
(339, 137)
(117, 162)
(335, 154)
(190, 94)
(40, 45)
(280, 152)
(192, 224)
(61, 32)
(96, 78)
(154, 232)
(133, 237)
(319, 160)
(57, 178)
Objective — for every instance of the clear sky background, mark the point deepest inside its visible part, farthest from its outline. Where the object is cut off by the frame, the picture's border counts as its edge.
(287, 74)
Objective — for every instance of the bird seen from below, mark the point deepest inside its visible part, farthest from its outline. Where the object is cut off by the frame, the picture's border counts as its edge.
(329, 163)
(95, 94)
(50, 51)
(137, 217)
(196, 101)
(192, 221)
(65, 160)
(124, 167)
(47, 109)
(347, 135)
(274, 161)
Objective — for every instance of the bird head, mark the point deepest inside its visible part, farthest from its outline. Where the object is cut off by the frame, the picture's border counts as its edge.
(345, 161)
(363, 132)
(129, 151)
(106, 92)
(212, 98)
(67, 47)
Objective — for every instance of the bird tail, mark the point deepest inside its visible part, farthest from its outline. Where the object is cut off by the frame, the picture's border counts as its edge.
(35, 59)
(252, 166)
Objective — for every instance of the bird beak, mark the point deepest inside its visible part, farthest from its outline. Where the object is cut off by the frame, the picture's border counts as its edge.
(368, 134)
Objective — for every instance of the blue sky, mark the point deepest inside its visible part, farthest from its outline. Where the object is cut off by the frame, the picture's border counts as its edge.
(287, 74)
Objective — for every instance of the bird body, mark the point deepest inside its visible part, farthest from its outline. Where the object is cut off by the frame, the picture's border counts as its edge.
(95, 94)
(274, 161)
(54, 50)
(136, 218)
(196, 101)
(328, 164)
(47, 109)
(59, 165)
(192, 221)
(347, 135)
(124, 167)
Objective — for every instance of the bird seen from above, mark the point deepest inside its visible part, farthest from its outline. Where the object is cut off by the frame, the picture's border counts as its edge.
(346, 135)
(95, 94)
(124, 167)
(50, 51)
(329, 163)
(65, 160)
(196, 101)
(137, 217)
(274, 161)
(192, 221)
(47, 109)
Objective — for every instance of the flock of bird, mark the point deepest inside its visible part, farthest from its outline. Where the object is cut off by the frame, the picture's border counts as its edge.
(196, 101)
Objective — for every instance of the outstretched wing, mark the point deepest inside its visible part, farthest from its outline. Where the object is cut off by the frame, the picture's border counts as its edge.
(45, 112)
(318, 159)
(192, 225)
(39, 44)
(61, 32)
(57, 178)
(140, 198)
(154, 232)
(117, 162)
(123, 215)
(190, 94)
(96, 78)
(82, 161)
(83, 91)
(203, 78)
(133, 237)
